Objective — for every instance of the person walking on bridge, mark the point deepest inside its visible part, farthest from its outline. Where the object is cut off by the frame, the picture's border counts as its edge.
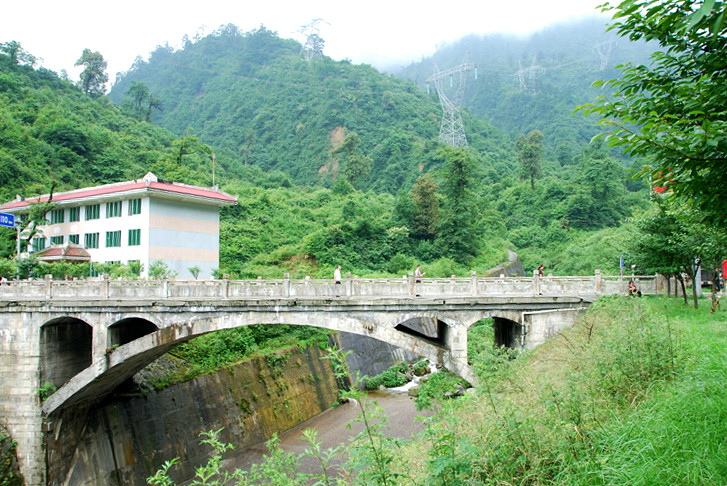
(337, 274)
(418, 274)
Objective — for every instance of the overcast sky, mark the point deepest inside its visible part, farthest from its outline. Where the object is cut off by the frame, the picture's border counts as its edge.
(381, 33)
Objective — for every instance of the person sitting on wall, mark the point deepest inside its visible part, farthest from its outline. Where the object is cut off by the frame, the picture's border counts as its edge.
(633, 291)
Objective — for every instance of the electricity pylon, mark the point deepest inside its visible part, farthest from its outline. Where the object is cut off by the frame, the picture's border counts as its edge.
(313, 47)
(604, 51)
(527, 77)
(452, 129)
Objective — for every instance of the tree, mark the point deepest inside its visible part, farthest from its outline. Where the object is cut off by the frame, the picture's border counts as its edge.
(355, 164)
(426, 207)
(669, 239)
(457, 232)
(93, 76)
(17, 54)
(143, 102)
(673, 111)
(530, 154)
(187, 145)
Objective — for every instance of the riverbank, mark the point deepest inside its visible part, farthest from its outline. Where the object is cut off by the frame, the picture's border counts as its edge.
(333, 430)
(632, 394)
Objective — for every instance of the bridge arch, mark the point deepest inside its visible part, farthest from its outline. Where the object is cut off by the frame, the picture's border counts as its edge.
(507, 332)
(121, 362)
(128, 329)
(65, 349)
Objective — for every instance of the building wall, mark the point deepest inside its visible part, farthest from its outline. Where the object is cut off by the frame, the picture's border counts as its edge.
(184, 235)
(124, 222)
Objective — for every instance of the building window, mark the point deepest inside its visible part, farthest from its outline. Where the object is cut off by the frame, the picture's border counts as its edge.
(113, 209)
(135, 237)
(38, 244)
(113, 238)
(93, 211)
(56, 240)
(73, 239)
(134, 207)
(74, 214)
(90, 240)
(56, 216)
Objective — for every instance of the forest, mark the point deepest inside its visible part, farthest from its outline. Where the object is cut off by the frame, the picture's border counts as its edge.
(338, 163)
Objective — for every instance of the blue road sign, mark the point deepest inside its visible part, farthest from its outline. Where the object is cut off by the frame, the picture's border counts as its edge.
(7, 220)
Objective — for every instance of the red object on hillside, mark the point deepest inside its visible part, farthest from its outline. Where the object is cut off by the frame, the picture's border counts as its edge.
(666, 183)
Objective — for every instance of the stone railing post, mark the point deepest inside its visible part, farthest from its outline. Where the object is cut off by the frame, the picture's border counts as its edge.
(286, 285)
(106, 292)
(349, 285)
(536, 283)
(49, 287)
(411, 283)
(599, 281)
(226, 285)
(474, 283)
(165, 288)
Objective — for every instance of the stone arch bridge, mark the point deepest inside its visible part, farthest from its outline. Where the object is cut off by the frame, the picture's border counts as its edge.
(87, 337)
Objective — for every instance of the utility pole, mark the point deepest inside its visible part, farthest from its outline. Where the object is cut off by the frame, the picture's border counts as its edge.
(452, 129)
(313, 47)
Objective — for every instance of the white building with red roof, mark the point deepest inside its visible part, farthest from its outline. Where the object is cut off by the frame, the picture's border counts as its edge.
(141, 220)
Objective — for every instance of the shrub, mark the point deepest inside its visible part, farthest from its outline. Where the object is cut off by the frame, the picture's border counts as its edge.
(390, 378)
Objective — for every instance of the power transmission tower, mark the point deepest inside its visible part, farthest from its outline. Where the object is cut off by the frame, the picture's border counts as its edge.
(527, 77)
(604, 51)
(452, 129)
(313, 47)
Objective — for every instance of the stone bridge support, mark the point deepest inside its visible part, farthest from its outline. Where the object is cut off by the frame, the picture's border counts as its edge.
(539, 326)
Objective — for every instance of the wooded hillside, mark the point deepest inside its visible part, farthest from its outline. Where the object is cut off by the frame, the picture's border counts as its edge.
(301, 142)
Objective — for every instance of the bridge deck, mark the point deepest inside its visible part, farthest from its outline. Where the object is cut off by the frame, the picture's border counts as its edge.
(104, 288)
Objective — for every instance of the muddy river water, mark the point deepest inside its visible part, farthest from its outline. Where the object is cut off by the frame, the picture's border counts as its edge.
(332, 430)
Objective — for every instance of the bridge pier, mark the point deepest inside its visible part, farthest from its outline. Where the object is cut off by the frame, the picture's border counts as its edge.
(456, 341)
(20, 407)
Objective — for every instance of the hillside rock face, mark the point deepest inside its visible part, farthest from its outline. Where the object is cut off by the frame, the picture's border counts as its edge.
(125, 439)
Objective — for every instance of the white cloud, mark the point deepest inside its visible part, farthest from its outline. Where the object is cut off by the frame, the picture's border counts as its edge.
(375, 32)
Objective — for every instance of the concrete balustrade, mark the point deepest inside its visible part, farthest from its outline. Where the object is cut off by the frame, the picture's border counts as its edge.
(104, 288)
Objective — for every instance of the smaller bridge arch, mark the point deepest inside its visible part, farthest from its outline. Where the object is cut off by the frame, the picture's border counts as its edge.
(127, 330)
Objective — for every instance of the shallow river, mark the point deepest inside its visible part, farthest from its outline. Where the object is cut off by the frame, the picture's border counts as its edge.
(332, 431)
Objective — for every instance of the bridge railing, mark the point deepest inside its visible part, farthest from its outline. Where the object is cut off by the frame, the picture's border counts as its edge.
(104, 288)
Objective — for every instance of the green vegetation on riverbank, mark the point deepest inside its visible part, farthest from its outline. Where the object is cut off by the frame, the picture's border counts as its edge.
(632, 394)
(222, 349)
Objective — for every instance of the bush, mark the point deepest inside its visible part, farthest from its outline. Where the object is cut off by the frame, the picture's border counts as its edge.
(391, 378)
(629, 358)
(8, 269)
(9, 470)
(432, 391)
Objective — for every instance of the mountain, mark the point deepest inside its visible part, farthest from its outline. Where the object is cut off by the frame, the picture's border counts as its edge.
(257, 102)
(535, 82)
(325, 157)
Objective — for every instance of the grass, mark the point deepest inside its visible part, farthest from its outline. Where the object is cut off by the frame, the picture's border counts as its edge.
(633, 394)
